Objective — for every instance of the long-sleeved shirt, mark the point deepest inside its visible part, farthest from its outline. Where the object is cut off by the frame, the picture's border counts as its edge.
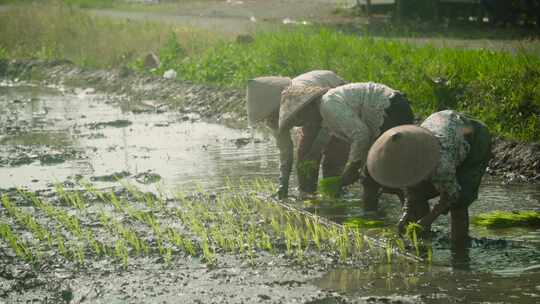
(355, 113)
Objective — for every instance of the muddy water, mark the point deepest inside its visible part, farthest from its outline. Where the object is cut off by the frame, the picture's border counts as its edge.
(53, 135)
(56, 135)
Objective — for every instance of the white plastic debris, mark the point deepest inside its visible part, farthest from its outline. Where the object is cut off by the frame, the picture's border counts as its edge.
(170, 74)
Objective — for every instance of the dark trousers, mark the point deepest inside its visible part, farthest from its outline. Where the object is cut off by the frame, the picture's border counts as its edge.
(334, 158)
(398, 113)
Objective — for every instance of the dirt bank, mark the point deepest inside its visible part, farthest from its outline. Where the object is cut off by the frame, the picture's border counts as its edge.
(513, 161)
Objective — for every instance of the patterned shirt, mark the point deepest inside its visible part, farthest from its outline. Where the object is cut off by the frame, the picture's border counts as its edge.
(449, 128)
(355, 113)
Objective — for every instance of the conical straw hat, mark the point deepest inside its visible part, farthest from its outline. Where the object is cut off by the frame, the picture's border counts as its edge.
(264, 96)
(294, 99)
(403, 156)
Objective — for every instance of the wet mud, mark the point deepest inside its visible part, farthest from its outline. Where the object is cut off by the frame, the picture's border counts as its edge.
(159, 134)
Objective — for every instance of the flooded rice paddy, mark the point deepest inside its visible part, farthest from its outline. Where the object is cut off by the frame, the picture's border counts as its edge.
(49, 135)
(56, 135)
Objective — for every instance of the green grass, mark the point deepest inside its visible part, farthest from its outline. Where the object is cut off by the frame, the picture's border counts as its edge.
(499, 88)
(76, 3)
(52, 31)
(505, 219)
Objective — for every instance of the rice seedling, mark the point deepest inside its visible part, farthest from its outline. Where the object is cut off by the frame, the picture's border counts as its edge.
(330, 187)
(343, 243)
(121, 252)
(61, 244)
(208, 254)
(358, 222)
(78, 253)
(71, 223)
(74, 199)
(358, 241)
(289, 238)
(412, 231)
(127, 234)
(266, 242)
(27, 221)
(95, 246)
(20, 247)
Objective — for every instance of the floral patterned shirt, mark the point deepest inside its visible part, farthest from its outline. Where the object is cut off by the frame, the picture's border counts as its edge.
(449, 127)
(355, 113)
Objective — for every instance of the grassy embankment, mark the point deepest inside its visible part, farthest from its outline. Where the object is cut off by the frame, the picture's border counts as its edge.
(78, 3)
(501, 89)
(65, 32)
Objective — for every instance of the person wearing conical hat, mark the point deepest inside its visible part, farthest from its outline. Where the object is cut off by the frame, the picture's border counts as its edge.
(264, 98)
(358, 113)
(445, 156)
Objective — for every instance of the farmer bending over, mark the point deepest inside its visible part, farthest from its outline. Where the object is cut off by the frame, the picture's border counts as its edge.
(447, 156)
(358, 113)
(264, 95)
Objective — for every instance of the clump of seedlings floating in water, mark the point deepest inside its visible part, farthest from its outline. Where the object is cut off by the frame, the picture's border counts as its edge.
(330, 187)
(89, 223)
(506, 219)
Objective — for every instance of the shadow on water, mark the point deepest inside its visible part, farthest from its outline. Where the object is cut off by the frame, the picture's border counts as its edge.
(53, 134)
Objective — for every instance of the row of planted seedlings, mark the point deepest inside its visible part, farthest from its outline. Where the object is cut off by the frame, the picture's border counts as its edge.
(91, 223)
(245, 220)
(77, 225)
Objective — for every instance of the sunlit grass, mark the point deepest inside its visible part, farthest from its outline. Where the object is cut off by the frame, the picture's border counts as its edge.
(499, 88)
(50, 30)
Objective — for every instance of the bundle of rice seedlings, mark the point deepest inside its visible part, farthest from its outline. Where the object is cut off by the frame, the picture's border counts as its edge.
(505, 219)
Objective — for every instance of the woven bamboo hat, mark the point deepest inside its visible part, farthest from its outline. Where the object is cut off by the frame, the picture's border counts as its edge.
(264, 96)
(403, 156)
(296, 98)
